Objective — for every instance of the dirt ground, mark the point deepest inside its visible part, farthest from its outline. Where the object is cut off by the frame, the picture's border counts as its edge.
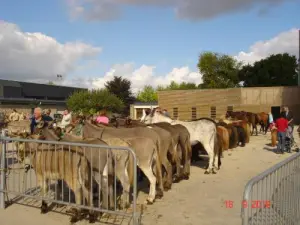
(199, 200)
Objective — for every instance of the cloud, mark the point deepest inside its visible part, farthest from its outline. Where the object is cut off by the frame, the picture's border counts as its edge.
(184, 9)
(285, 42)
(37, 57)
(145, 75)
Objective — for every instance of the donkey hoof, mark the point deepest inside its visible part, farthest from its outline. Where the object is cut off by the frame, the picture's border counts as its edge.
(214, 172)
(92, 218)
(186, 176)
(149, 202)
(206, 172)
(44, 208)
(159, 194)
(176, 179)
(74, 219)
(166, 189)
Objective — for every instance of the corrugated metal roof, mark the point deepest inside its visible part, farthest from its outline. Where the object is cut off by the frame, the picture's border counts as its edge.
(37, 90)
(30, 100)
(10, 83)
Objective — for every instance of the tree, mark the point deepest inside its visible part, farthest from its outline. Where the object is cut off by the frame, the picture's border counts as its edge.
(51, 83)
(218, 70)
(90, 102)
(121, 87)
(275, 70)
(178, 86)
(148, 94)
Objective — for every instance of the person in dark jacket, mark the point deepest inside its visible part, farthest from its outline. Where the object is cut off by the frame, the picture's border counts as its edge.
(46, 116)
(36, 118)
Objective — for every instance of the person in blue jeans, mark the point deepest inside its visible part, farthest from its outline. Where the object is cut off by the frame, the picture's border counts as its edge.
(282, 125)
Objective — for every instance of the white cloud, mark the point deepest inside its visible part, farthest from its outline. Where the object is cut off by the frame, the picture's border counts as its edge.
(285, 42)
(37, 57)
(145, 75)
(184, 9)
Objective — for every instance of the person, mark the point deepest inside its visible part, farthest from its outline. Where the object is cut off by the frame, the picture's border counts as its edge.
(271, 121)
(22, 116)
(158, 109)
(166, 113)
(14, 116)
(36, 118)
(102, 118)
(66, 120)
(289, 117)
(282, 126)
(46, 116)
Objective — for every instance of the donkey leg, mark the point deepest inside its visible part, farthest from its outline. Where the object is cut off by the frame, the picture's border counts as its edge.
(177, 176)
(168, 167)
(210, 150)
(152, 179)
(77, 213)
(187, 160)
(155, 165)
(122, 175)
(216, 162)
(44, 190)
(104, 187)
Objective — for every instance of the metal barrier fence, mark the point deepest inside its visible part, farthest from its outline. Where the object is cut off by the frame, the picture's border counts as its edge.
(273, 197)
(65, 174)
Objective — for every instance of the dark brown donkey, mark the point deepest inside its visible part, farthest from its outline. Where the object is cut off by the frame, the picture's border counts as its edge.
(180, 136)
(90, 130)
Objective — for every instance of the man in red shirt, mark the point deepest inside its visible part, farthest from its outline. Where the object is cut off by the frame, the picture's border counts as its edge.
(282, 124)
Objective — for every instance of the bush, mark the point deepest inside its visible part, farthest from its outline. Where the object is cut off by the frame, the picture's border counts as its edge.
(90, 102)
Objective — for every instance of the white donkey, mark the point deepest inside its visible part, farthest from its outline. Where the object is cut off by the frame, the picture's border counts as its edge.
(203, 130)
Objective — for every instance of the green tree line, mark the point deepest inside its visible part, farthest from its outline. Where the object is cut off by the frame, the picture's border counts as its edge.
(217, 71)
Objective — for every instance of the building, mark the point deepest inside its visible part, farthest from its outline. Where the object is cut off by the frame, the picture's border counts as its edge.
(136, 109)
(213, 103)
(24, 96)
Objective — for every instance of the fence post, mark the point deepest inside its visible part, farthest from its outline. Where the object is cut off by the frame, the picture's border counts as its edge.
(3, 170)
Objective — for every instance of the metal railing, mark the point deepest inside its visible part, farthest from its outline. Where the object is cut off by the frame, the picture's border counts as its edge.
(273, 197)
(67, 173)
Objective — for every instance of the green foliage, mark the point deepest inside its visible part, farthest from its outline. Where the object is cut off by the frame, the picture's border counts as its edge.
(121, 87)
(276, 70)
(51, 83)
(176, 86)
(148, 94)
(90, 102)
(218, 70)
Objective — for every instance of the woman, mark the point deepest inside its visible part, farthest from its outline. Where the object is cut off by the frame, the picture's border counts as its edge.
(271, 121)
(102, 118)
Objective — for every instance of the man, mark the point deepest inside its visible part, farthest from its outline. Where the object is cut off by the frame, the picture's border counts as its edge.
(282, 125)
(46, 116)
(289, 117)
(14, 116)
(158, 109)
(166, 113)
(36, 118)
(66, 120)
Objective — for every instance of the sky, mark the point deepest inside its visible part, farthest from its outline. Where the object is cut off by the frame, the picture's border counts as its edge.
(150, 42)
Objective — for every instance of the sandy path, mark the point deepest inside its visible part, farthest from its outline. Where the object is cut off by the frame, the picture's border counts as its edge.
(200, 200)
